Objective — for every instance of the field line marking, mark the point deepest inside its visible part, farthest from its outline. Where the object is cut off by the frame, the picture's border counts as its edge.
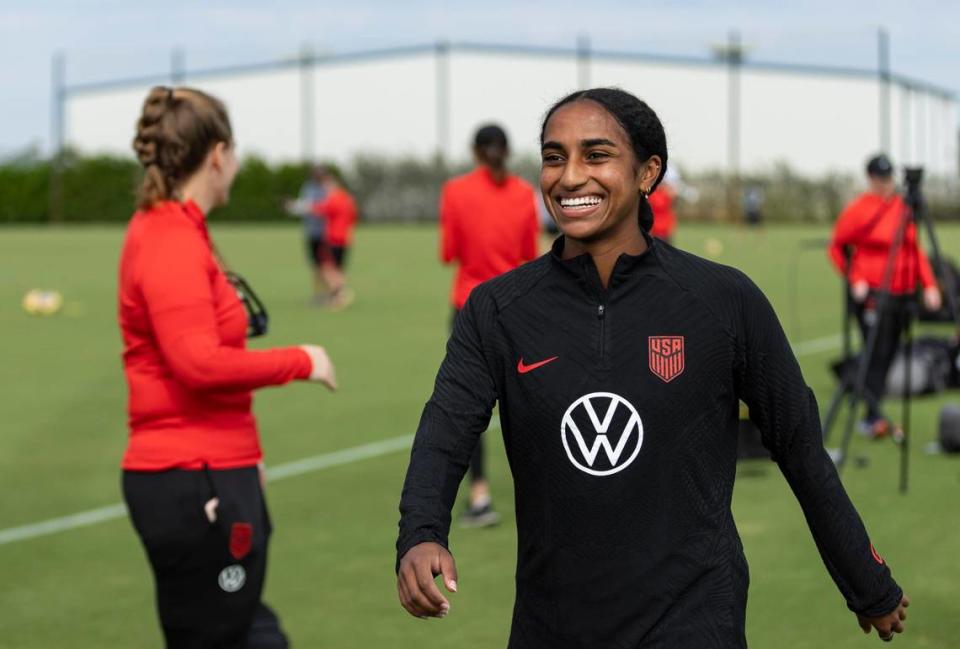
(339, 458)
(817, 345)
(299, 467)
(52, 526)
(278, 472)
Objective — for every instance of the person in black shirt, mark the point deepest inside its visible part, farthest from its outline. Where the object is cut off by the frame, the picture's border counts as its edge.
(618, 363)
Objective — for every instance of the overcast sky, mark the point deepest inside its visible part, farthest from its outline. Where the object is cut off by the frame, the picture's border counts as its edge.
(104, 40)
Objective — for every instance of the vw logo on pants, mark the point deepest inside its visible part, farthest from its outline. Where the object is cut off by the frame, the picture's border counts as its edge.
(583, 445)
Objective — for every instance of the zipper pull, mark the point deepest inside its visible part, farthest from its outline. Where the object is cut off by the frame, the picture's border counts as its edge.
(601, 310)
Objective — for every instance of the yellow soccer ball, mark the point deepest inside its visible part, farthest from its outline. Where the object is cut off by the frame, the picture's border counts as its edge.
(41, 302)
(713, 247)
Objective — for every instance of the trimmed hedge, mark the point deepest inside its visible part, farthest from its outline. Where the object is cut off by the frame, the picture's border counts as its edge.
(102, 189)
(24, 192)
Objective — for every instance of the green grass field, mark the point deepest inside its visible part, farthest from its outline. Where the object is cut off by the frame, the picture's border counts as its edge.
(331, 576)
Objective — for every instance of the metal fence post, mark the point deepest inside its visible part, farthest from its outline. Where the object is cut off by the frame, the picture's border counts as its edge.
(906, 144)
(583, 61)
(57, 135)
(307, 60)
(883, 68)
(442, 68)
(732, 53)
(921, 126)
(178, 67)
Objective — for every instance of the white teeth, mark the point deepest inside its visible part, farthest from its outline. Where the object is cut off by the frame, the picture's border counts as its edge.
(580, 201)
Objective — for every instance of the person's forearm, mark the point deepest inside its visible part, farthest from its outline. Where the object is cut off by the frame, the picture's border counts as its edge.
(438, 462)
(201, 363)
(837, 529)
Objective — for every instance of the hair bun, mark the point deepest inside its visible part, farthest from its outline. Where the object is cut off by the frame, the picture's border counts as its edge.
(175, 131)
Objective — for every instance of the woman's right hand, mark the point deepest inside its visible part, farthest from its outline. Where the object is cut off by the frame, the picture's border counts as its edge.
(932, 299)
(322, 367)
(859, 290)
(416, 587)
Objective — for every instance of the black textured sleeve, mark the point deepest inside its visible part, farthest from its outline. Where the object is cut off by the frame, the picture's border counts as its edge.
(785, 410)
(452, 421)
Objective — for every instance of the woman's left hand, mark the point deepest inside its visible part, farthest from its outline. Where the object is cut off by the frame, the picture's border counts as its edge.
(932, 299)
(888, 624)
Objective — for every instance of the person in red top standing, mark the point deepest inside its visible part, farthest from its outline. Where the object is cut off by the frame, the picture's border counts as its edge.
(488, 225)
(860, 248)
(339, 210)
(192, 472)
(661, 202)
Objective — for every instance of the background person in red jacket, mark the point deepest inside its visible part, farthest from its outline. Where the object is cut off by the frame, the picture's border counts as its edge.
(339, 210)
(191, 476)
(488, 225)
(867, 228)
(661, 202)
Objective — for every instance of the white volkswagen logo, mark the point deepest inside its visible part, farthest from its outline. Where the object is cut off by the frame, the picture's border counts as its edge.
(232, 578)
(620, 453)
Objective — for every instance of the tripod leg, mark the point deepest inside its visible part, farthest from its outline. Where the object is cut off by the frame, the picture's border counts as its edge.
(949, 289)
(860, 383)
(844, 387)
(905, 435)
(848, 431)
(834, 409)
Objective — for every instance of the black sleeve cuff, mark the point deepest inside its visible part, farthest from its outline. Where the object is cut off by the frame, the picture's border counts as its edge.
(882, 607)
(404, 543)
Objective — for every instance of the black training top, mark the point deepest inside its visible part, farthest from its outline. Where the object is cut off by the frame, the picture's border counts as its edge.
(619, 413)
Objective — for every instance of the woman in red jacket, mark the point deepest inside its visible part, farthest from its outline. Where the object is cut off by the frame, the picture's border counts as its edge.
(339, 210)
(192, 476)
(661, 202)
(489, 224)
(865, 231)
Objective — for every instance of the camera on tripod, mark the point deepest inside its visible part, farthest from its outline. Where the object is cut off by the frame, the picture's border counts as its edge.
(865, 378)
(913, 178)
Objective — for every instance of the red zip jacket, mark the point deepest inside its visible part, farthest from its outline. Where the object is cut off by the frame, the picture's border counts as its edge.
(340, 210)
(184, 336)
(869, 225)
(486, 227)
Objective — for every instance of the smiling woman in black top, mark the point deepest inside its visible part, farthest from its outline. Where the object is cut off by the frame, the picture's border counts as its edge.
(618, 363)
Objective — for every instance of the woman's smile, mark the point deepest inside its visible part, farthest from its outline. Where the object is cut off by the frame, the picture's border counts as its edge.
(579, 206)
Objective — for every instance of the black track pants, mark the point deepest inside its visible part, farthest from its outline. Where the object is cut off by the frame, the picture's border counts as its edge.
(209, 577)
(891, 325)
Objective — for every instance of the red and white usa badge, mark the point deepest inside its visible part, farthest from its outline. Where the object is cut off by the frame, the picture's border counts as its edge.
(666, 356)
(241, 540)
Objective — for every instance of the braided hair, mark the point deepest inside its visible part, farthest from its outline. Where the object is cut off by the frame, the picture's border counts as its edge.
(176, 130)
(638, 121)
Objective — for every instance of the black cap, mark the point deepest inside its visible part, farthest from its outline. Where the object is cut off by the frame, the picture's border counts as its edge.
(880, 166)
(490, 135)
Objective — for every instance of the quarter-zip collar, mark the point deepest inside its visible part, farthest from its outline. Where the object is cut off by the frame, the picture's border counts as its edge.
(626, 267)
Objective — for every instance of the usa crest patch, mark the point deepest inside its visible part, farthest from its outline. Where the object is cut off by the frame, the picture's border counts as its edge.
(666, 356)
(241, 540)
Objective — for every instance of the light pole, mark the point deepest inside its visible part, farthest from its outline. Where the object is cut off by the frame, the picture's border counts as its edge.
(732, 53)
(883, 70)
(57, 135)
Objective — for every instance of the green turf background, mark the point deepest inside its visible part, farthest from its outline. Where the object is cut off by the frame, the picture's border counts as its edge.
(62, 433)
